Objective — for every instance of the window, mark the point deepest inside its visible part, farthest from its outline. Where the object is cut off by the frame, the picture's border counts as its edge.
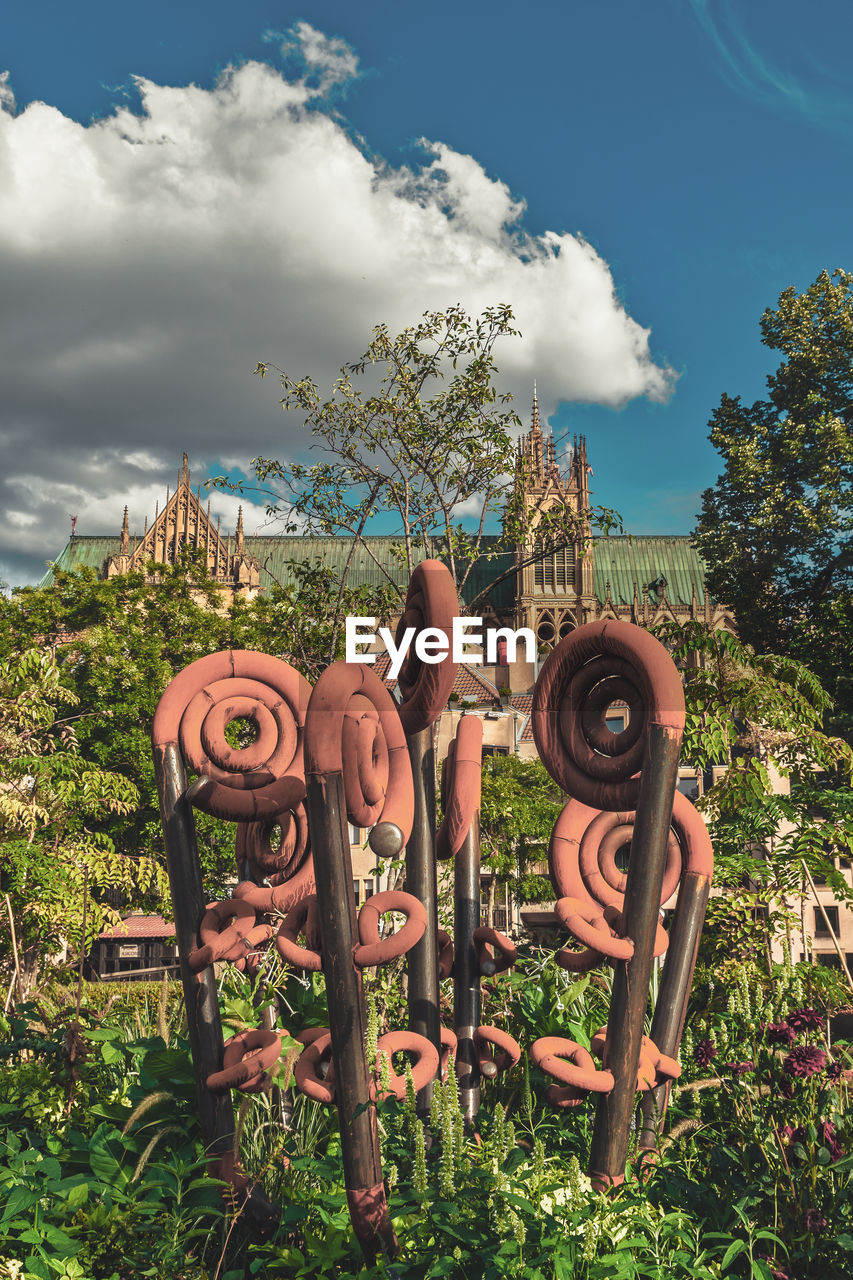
(688, 785)
(828, 959)
(354, 834)
(820, 928)
(492, 750)
(616, 722)
(368, 889)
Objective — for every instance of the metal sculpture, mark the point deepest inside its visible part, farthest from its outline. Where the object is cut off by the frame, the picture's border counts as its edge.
(264, 781)
(475, 950)
(622, 786)
(431, 604)
(345, 752)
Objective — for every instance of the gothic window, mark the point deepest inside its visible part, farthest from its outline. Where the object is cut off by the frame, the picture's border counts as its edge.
(555, 570)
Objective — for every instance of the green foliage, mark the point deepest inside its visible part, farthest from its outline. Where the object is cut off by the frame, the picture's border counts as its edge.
(784, 802)
(520, 804)
(119, 642)
(775, 530)
(55, 809)
(416, 437)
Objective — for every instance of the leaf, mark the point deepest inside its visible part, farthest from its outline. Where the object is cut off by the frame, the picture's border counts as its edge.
(735, 1249)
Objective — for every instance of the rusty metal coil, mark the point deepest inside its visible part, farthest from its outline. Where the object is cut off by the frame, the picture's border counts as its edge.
(302, 918)
(373, 950)
(312, 1071)
(256, 941)
(588, 670)
(461, 782)
(489, 1039)
(278, 899)
(238, 784)
(431, 604)
(445, 954)
(290, 862)
(352, 728)
(449, 1042)
(222, 934)
(495, 952)
(246, 1062)
(653, 1067)
(570, 1064)
(424, 1068)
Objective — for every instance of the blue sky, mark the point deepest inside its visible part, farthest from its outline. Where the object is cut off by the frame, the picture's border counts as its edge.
(689, 160)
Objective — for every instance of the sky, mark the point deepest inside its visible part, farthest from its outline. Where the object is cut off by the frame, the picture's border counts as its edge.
(187, 190)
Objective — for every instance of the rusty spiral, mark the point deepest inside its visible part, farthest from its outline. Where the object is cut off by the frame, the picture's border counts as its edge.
(591, 668)
(352, 728)
(461, 782)
(431, 605)
(261, 780)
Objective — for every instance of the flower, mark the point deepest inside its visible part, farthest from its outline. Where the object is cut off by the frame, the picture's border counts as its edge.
(815, 1222)
(704, 1053)
(833, 1071)
(740, 1068)
(779, 1033)
(827, 1135)
(802, 1020)
(805, 1060)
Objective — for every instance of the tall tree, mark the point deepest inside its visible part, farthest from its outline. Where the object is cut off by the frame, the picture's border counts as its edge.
(416, 437)
(775, 529)
(118, 642)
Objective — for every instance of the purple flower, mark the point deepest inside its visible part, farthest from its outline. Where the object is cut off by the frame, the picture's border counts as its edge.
(815, 1222)
(740, 1068)
(828, 1137)
(776, 1272)
(704, 1053)
(833, 1071)
(779, 1033)
(805, 1060)
(802, 1020)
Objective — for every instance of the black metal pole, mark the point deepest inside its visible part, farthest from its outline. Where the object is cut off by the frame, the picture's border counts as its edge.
(422, 881)
(674, 993)
(631, 979)
(466, 969)
(203, 1022)
(347, 1021)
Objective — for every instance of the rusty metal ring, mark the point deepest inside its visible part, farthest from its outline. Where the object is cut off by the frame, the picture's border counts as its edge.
(307, 1073)
(258, 782)
(448, 1042)
(255, 942)
(570, 1064)
(424, 1068)
(445, 955)
(373, 950)
(586, 922)
(222, 933)
(303, 917)
(246, 1062)
(508, 1050)
(324, 731)
(486, 943)
(293, 847)
(431, 602)
(561, 729)
(461, 786)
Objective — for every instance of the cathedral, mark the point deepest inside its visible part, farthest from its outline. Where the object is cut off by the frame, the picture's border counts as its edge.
(641, 579)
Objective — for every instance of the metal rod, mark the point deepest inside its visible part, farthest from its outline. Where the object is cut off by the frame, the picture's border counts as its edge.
(631, 980)
(466, 969)
(216, 1112)
(360, 1154)
(674, 993)
(422, 881)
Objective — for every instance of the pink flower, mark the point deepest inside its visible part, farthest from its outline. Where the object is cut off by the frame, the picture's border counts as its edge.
(704, 1053)
(779, 1033)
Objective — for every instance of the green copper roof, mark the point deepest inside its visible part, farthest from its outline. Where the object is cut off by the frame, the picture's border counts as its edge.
(621, 562)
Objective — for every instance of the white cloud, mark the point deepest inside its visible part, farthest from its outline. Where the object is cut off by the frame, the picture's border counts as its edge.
(150, 260)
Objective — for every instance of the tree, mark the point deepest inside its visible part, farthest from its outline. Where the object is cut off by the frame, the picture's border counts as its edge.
(520, 803)
(417, 438)
(783, 809)
(775, 529)
(56, 855)
(118, 642)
